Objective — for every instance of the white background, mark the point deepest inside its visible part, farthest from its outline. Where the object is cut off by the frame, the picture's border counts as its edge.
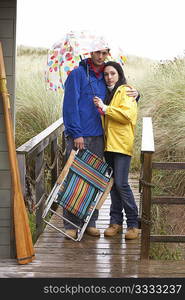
(146, 28)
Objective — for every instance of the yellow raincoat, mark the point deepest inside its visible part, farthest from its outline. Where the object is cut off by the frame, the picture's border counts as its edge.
(119, 122)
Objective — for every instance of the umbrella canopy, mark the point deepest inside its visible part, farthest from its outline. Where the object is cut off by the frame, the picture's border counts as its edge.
(65, 55)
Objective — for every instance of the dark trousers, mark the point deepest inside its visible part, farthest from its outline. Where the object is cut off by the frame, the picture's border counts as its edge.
(122, 197)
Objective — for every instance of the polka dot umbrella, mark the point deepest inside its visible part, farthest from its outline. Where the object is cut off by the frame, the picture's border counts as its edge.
(65, 55)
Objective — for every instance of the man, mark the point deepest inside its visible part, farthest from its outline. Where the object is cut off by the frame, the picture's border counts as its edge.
(82, 122)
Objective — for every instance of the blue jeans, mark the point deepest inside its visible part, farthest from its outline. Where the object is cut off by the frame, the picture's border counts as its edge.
(122, 197)
(94, 144)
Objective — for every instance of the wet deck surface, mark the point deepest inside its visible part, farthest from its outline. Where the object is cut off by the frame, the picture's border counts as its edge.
(92, 257)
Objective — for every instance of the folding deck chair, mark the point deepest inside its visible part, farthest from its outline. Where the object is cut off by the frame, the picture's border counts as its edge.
(82, 187)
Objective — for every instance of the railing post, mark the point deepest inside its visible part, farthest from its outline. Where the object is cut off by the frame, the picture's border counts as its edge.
(39, 191)
(54, 171)
(147, 149)
(22, 170)
(146, 205)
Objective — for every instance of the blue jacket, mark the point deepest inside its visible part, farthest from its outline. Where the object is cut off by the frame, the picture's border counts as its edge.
(81, 117)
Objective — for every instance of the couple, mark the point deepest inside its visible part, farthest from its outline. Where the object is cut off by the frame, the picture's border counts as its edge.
(99, 113)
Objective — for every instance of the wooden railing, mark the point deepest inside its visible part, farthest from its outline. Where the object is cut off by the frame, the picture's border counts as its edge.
(147, 165)
(42, 152)
(147, 150)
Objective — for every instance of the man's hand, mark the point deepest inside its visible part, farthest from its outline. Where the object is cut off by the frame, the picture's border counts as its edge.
(132, 93)
(79, 143)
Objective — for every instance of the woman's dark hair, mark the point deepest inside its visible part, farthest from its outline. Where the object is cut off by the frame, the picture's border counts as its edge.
(121, 80)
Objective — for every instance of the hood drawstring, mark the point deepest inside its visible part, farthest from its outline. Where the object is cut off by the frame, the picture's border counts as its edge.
(88, 77)
(86, 65)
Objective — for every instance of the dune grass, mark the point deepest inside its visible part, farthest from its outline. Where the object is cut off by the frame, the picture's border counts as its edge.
(164, 100)
(36, 107)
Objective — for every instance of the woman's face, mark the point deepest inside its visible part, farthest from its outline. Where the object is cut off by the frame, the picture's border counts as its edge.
(111, 75)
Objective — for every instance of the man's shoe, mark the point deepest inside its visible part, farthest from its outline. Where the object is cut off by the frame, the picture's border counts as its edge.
(93, 231)
(113, 229)
(72, 233)
(132, 233)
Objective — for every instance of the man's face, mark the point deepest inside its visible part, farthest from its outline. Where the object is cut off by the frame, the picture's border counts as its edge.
(98, 57)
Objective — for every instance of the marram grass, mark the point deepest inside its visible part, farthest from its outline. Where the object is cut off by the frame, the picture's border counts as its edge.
(36, 107)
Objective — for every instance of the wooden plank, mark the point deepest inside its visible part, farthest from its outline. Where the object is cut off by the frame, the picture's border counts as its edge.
(168, 200)
(168, 165)
(128, 269)
(146, 205)
(1, 108)
(6, 28)
(5, 198)
(8, 46)
(167, 238)
(2, 128)
(5, 236)
(5, 252)
(147, 142)
(33, 143)
(38, 149)
(70, 269)
(8, 3)
(4, 160)
(89, 242)
(5, 182)
(22, 170)
(9, 65)
(49, 262)
(39, 191)
(55, 170)
(3, 142)
(89, 254)
(5, 213)
(4, 223)
(7, 13)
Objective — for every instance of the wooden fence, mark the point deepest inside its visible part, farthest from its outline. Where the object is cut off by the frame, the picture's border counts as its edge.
(147, 165)
(41, 153)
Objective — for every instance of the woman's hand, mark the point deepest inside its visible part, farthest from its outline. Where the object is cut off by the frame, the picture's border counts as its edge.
(100, 105)
(98, 102)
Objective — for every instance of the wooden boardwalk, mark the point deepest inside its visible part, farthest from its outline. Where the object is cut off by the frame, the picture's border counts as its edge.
(58, 257)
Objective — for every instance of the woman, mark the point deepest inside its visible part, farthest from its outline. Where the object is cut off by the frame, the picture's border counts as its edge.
(119, 120)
